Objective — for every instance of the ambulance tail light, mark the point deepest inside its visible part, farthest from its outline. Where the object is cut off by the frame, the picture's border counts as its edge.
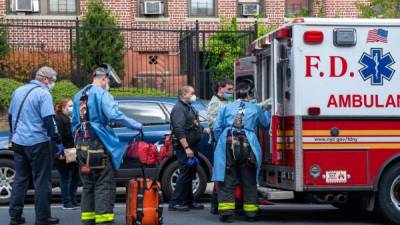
(314, 111)
(313, 37)
(283, 33)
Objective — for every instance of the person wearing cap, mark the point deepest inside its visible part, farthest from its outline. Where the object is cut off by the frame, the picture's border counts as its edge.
(33, 128)
(99, 151)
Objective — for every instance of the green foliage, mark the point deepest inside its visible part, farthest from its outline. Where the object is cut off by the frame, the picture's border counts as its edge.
(7, 87)
(380, 9)
(264, 29)
(101, 40)
(223, 48)
(304, 12)
(146, 92)
(4, 46)
(64, 89)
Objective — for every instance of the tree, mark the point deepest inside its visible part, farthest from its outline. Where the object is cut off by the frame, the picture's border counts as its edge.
(380, 9)
(101, 39)
(4, 46)
(223, 48)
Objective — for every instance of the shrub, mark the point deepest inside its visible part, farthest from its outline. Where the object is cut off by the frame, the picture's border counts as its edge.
(19, 65)
(64, 89)
(7, 87)
(4, 46)
(146, 92)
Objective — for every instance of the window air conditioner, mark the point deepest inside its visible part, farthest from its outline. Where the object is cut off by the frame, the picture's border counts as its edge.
(153, 8)
(251, 9)
(24, 5)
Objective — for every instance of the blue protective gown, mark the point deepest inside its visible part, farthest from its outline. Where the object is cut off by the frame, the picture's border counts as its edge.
(253, 117)
(103, 110)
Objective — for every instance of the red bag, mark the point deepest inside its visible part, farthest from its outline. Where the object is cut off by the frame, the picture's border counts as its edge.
(146, 153)
(166, 149)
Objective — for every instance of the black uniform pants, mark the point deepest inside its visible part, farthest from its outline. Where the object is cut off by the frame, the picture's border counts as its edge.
(183, 194)
(244, 174)
(32, 161)
(98, 195)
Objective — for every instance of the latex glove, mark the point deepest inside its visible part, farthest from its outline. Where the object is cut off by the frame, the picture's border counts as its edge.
(193, 161)
(266, 103)
(59, 150)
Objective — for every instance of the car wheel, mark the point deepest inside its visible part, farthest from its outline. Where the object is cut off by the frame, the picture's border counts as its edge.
(389, 194)
(7, 176)
(170, 176)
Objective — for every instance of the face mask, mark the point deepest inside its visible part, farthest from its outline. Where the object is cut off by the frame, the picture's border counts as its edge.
(193, 98)
(228, 96)
(107, 87)
(50, 86)
(70, 109)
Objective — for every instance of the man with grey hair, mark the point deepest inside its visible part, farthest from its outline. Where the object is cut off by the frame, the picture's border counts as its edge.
(32, 128)
(186, 133)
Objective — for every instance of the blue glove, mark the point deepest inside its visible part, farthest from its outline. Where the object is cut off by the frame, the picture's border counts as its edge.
(193, 161)
(59, 150)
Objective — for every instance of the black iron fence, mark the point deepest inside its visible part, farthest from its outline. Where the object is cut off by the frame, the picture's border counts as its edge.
(156, 59)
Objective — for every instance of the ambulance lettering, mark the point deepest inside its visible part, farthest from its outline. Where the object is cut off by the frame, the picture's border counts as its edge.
(336, 62)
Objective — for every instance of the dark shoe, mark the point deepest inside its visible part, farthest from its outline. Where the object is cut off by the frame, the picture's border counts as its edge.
(17, 220)
(49, 221)
(70, 206)
(226, 218)
(196, 206)
(251, 218)
(178, 207)
(75, 203)
(214, 210)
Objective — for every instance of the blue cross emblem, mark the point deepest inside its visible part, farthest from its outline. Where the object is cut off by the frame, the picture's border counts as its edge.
(376, 66)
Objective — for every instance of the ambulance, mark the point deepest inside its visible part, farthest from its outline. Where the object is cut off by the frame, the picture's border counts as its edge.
(335, 130)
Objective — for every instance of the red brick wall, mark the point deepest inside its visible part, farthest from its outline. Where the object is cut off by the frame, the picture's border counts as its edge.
(341, 8)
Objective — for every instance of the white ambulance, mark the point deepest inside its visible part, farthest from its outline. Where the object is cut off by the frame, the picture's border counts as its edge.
(335, 129)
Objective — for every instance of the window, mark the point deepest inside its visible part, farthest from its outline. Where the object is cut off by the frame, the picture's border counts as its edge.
(147, 113)
(44, 7)
(298, 8)
(62, 6)
(201, 8)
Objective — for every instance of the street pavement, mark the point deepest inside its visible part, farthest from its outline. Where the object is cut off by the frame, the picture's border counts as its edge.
(282, 213)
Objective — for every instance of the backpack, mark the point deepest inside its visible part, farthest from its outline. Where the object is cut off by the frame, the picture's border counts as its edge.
(143, 203)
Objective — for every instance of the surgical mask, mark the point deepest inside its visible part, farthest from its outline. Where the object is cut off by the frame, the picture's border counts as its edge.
(50, 86)
(107, 87)
(70, 109)
(193, 98)
(228, 96)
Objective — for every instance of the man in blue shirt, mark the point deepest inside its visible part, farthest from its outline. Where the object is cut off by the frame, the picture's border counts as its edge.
(98, 148)
(32, 124)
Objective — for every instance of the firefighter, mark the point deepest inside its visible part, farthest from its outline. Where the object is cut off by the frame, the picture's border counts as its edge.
(237, 157)
(223, 94)
(98, 149)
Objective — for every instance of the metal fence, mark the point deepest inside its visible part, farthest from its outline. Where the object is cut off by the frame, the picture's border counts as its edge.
(155, 58)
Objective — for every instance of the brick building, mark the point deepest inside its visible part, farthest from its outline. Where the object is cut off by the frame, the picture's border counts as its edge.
(149, 53)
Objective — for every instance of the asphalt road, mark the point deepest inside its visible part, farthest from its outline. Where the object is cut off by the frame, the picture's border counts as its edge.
(283, 213)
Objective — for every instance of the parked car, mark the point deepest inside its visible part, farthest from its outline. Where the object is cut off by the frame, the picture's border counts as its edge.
(154, 114)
